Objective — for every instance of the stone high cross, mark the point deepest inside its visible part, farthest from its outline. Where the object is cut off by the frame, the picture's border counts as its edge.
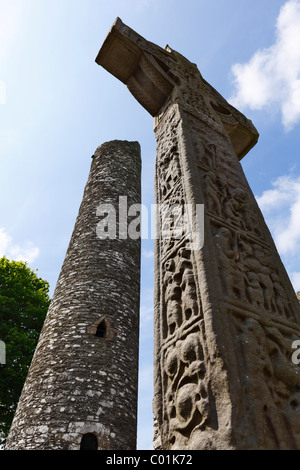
(226, 315)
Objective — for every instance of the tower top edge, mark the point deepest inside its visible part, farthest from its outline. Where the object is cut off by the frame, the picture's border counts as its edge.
(118, 143)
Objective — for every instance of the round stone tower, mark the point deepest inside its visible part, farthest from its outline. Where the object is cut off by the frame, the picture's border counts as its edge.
(81, 388)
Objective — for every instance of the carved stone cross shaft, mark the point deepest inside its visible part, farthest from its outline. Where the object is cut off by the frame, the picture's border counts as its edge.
(226, 314)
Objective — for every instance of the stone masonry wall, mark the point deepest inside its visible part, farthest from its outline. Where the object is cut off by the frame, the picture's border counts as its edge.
(84, 374)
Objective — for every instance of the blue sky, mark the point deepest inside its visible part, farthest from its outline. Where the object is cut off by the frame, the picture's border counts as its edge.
(57, 106)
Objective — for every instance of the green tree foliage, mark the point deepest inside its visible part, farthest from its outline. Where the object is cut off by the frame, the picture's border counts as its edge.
(24, 302)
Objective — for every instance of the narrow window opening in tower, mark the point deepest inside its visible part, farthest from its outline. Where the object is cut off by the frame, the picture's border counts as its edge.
(89, 442)
(101, 330)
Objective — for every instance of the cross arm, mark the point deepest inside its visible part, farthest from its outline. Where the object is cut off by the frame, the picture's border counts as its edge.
(156, 76)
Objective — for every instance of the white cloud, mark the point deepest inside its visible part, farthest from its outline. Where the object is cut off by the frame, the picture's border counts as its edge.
(271, 78)
(285, 191)
(295, 278)
(281, 206)
(28, 252)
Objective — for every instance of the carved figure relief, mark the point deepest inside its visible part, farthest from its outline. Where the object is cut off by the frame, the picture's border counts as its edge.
(248, 275)
(172, 280)
(231, 270)
(180, 295)
(188, 397)
(281, 299)
(275, 382)
(254, 290)
(213, 194)
(251, 274)
(267, 287)
(169, 172)
(225, 200)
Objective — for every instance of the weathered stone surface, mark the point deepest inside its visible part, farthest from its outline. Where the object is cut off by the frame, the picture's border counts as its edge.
(225, 314)
(79, 383)
(159, 77)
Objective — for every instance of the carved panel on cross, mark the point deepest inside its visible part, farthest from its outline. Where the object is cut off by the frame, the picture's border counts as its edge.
(182, 304)
(270, 382)
(249, 274)
(189, 405)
